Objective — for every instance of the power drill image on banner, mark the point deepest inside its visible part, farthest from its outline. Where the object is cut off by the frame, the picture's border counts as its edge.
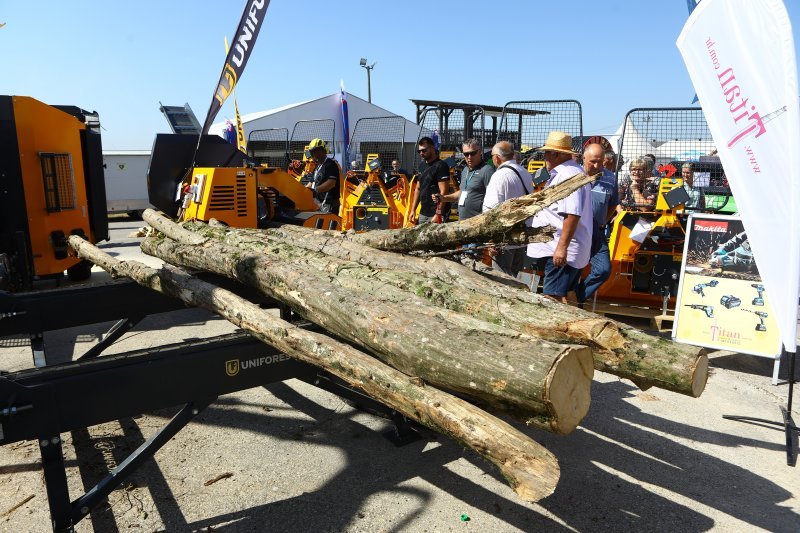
(722, 303)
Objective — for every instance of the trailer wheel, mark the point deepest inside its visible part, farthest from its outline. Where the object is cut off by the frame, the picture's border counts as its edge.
(80, 272)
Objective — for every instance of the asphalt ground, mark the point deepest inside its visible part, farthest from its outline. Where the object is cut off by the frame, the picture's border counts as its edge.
(291, 457)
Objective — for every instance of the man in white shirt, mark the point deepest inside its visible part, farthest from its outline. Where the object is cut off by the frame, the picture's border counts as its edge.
(510, 180)
(563, 258)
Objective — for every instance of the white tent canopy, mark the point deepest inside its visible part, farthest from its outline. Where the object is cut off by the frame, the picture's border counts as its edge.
(327, 107)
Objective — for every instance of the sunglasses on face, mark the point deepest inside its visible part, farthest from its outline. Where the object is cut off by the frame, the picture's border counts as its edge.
(469, 154)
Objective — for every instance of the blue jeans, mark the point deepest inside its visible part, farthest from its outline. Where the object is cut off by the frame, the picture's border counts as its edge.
(559, 280)
(600, 271)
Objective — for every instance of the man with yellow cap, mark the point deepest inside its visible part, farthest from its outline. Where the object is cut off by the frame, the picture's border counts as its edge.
(326, 177)
(563, 258)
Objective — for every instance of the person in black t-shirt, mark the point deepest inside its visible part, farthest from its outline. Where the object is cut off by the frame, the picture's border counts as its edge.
(433, 180)
(326, 178)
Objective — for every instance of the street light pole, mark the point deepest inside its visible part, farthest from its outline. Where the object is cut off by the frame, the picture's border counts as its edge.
(363, 63)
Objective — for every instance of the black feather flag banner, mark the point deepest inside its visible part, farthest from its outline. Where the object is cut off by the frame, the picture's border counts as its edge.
(242, 46)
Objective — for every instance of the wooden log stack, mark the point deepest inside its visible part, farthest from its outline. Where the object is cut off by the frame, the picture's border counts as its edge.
(416, 327)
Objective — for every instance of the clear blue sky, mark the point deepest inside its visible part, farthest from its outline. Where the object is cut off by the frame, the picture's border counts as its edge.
(122, 58)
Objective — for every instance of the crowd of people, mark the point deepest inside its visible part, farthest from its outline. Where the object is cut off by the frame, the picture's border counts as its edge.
(581, 220)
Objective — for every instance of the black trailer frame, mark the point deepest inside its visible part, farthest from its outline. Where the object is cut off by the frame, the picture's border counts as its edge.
(43, 402)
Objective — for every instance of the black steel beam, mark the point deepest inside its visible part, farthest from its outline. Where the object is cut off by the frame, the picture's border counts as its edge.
(81, 506)
(57, 399)
(47, 310)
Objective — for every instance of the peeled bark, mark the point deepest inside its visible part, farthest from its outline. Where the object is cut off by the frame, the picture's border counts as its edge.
(617, 348)
(503, 224)
(530, 468)
(540, 382)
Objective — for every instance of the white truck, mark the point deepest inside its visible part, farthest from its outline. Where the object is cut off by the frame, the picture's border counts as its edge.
(126, 181)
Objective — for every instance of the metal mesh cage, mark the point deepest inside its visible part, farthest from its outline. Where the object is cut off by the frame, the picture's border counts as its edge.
(451, 126)
(378, 135)
(525, 124)
(305, 131)
(454, 125)
(269, 147)
(59, 181)
(671, 137)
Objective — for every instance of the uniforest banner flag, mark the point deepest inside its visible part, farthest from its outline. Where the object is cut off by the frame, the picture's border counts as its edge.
(243, 43)
(740, 57)
(241, 143)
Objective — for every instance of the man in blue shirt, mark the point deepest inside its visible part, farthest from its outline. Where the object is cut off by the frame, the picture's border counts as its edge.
(605, 198)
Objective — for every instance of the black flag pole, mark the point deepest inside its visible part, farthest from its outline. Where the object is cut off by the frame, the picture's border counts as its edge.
(789, 427)
(242, 46)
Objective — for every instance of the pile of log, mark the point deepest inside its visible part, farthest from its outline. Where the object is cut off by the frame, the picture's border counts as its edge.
(405, 329)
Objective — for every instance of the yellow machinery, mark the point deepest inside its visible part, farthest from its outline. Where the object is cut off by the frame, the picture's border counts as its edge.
(52, 182)
(646, 243)
(374, 199)
(646, 249)
(249, 197)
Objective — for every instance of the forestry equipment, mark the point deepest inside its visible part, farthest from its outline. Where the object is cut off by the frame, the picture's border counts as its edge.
(51, 165)
(221, 182)
(647, 235)
(700, 286)
(707, 309)
(761, 316)
(375, 196)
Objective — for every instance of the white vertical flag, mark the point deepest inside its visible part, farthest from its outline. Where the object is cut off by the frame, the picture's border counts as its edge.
(740, 57)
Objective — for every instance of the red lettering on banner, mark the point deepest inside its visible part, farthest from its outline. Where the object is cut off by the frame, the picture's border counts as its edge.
(717, 226)
(738, 106)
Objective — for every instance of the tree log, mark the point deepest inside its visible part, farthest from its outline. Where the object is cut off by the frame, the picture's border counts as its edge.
(617, 348)
(503, 224)
(530, 468)
(540, 382)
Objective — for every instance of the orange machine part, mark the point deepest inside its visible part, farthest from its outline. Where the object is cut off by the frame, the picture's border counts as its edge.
(40, 129)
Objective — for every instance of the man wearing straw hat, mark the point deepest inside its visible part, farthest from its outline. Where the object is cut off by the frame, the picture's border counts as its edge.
(563, 258)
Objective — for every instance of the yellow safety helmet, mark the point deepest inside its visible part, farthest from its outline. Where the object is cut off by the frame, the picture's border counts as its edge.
(317, 143)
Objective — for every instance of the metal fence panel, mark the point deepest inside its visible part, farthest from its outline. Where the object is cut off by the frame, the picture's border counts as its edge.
(378, 135)
(269, 147)
(307, 130)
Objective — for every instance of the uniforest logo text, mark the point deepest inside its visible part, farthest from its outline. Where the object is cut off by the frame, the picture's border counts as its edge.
(234, 366)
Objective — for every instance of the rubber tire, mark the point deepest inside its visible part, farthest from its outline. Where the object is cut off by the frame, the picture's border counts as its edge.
(80, 272)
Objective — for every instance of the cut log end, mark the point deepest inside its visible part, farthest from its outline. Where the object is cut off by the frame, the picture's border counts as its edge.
(700, 376)
(532, 488)
(569, 388)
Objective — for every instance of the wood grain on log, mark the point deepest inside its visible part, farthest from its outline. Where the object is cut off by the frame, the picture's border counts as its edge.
(617, 348)
(494, 365)
(530, 468)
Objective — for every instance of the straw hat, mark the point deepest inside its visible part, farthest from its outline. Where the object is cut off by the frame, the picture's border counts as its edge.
(558, 141)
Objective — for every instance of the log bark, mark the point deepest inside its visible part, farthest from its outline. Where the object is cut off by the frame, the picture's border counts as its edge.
(503, 224)
(617, 348)
(529, 468)
(539, 382)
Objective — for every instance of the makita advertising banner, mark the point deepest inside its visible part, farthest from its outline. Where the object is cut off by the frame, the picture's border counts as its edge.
(740, 57)
(243, 42)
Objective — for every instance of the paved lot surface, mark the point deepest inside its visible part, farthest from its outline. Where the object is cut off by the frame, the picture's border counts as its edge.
(301, 459)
